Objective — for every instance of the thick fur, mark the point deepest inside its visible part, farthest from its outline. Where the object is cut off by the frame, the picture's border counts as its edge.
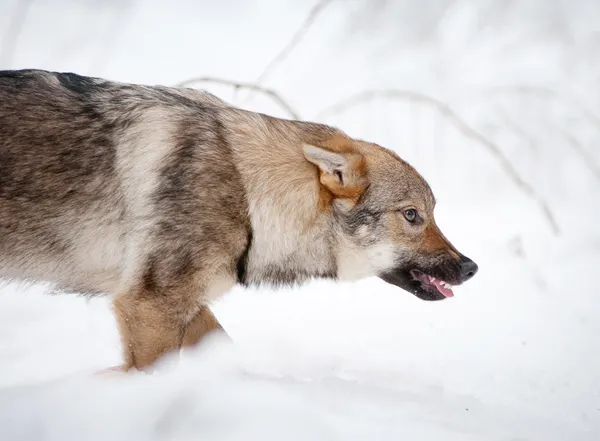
(168, 197)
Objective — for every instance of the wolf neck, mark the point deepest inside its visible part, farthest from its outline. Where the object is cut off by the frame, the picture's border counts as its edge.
(292, 239)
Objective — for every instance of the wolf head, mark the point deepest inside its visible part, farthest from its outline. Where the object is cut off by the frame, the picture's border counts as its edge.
(383, 220)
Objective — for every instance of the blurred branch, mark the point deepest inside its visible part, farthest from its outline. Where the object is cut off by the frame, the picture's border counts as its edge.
(459, 123)
(578, 147)
(294, 41)
(13, 32)
(539, 91)
(547, 93)
(249, 86)
(519, 132)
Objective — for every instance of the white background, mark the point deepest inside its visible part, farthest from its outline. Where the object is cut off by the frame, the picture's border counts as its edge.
(479, 96)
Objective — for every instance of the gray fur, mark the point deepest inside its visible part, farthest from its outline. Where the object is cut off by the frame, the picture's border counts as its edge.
(168, 197)
(59, 175)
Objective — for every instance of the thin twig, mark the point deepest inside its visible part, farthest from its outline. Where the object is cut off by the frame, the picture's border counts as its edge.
(547, 93)
(294, 41)
(588, 160)
(519, 132)
(13, 32)
(459, 123)
(276, 97)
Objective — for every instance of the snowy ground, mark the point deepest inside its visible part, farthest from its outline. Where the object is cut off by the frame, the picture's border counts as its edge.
(514, 356)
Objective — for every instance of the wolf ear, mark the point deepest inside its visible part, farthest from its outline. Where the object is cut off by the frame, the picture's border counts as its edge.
(342, 173)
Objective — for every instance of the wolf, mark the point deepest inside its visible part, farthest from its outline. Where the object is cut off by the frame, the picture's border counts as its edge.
(168, 197)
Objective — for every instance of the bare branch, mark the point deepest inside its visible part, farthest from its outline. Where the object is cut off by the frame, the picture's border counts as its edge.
(547, 93)
(249, 86)
(538, 91)
(588, 160)
(459, 123)
(13, 32)
(519, 132)
(294, 41)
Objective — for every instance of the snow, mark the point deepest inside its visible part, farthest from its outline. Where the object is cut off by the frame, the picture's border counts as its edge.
(515, 355)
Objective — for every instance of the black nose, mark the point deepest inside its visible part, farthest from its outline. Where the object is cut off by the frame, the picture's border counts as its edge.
(468, 268)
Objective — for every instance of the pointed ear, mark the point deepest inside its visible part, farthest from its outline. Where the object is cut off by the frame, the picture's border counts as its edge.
(342, 173)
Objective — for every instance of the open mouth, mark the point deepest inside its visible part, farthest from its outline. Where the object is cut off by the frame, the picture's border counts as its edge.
(433, 285)
(430, 282)
(422, 285)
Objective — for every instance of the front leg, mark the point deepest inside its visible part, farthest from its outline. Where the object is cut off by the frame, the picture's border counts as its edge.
(155, 322)
(150, 326)
(201, 325)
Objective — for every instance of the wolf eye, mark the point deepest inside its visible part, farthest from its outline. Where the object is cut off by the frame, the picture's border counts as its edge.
(410, 215)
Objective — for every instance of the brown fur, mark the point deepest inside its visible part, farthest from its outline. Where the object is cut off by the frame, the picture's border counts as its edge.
(166, 198)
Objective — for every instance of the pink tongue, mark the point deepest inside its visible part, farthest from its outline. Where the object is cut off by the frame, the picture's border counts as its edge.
(445, 291)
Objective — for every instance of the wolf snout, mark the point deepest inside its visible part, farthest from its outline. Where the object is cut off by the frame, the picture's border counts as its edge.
(468, 268)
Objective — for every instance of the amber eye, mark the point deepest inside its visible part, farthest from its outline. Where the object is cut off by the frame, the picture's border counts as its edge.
(410, 215)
